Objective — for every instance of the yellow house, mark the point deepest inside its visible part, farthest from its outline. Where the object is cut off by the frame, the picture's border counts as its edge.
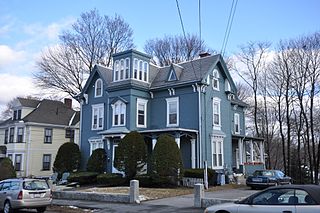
(36, 131)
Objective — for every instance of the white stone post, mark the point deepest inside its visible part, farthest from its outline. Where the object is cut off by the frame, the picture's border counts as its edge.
(198, 194)
(134, 191)
(193, 153)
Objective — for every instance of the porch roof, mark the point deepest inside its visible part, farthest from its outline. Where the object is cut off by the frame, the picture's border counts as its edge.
(247, 138)
(114, 131)
(169, 130)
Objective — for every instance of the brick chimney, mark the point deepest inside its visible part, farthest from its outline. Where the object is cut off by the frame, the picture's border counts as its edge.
(204, 54)
(68, 102)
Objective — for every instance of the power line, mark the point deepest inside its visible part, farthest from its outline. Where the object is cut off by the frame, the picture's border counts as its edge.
(229, 26)
(184, 34)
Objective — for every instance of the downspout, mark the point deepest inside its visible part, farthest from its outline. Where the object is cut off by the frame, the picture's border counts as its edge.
(200, 126)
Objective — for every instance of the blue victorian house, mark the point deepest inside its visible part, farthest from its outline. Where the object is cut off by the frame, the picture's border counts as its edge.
(195, 102)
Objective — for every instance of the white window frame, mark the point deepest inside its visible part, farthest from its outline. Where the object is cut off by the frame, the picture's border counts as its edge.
(96, 88)
(135, 69)
(95, 144)
(116, 72)
(169, 102)
(216, 101)
(236, 123)
(215, 79)
(142, 102)
(21, 163)
(127, 68)
(145, 72)
(99, 109)
(118, 108)
(217, 154)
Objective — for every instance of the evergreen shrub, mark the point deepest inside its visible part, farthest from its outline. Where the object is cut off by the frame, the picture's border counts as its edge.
(97, 161)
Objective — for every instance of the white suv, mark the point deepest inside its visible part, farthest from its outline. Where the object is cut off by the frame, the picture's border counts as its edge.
(23, 193)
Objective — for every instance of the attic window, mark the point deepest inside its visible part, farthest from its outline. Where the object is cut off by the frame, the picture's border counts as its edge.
(215, 79)
(98, 88)
(172, 76)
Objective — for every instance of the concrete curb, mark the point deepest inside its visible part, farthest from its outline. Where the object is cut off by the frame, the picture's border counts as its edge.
(206, 202)
(91, 196)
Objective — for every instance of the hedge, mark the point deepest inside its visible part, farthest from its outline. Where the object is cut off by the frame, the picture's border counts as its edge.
(83, 177)
(111, 179)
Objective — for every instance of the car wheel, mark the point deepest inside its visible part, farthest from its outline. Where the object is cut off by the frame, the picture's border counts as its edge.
(41, 209)
(7, 207)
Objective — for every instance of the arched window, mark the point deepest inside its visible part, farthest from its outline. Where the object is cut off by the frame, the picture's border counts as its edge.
(215, 79)
(98, 88)
(119, 114)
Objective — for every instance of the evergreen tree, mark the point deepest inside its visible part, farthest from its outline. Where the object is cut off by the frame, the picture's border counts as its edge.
(97, 161)
(6, 169)
(68, 158)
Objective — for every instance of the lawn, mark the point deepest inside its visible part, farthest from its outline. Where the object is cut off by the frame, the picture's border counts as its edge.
(155, 193)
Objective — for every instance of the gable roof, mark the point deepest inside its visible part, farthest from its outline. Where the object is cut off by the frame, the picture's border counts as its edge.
(52, 112)
(27, 102)
(104, 72)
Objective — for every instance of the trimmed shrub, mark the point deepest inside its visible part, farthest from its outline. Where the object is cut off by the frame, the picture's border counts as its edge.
(83, 177)
(167, 160)
(199, 173)
(68, 158)
(97, 161)
(111, 179)
(7, 169)
(131, 154)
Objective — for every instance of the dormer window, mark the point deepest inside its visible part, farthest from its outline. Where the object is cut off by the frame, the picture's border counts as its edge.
(16, 114)
(215, 79)
(121, 69)
(172, 76)
(98, 88)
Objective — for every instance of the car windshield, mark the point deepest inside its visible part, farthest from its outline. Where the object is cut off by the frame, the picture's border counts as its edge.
(35, 185)
(263, 173)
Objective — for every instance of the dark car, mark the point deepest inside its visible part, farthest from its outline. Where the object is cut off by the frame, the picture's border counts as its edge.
(287, 198)
(266, 178)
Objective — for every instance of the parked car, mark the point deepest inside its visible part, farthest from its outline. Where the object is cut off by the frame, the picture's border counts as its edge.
(20, 193)
(286, 198)
(266, 178)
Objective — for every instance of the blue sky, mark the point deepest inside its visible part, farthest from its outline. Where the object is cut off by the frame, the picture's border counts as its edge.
(29, 26)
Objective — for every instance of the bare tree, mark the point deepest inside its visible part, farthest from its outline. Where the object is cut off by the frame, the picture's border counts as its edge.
(253, 58)
(92, 40)
(175, 49)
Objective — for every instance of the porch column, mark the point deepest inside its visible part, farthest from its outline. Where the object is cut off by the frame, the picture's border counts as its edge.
(251, 151)
(177, 139)
(261, 151)
(154, 141)
(240, 146)
(193, 153)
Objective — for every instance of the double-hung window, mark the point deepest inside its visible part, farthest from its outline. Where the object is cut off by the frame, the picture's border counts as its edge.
(142, 113)
(46, 162)
(98, 88)
(135, 68)
(127, 67)
(119, 112)
(97, 116)
(18, 162)
(173, 111)
(216, 113)
(95, 144)
(236, 123)
(116, 71)
(145, 71)
(215, 80)
(47, 135)
(217, 153)
(20, 135)
(6, 135)
(11, 134)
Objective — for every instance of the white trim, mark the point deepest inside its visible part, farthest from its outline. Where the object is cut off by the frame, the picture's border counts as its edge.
(215, 78)
(217, 101)
(215, 142)
(122, 107)
(170, 101)
(236, 118)
(96, 86)
(100, 114)
(98, 143)
(143, 102)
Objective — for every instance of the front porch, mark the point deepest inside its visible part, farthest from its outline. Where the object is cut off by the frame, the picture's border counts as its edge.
(248, 154)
